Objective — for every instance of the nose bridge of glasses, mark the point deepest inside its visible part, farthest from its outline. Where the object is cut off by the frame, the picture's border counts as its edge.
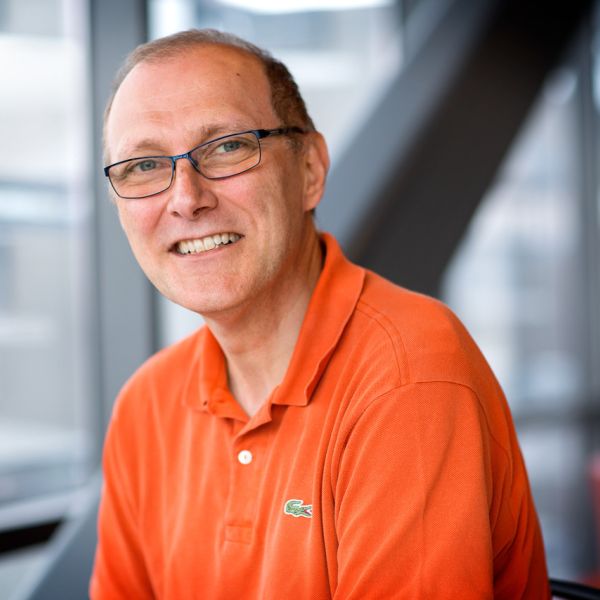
(190, 158)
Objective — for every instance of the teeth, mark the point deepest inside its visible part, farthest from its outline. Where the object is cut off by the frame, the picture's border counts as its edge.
(207, 243)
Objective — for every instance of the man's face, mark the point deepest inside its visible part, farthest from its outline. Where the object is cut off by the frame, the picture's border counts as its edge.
(168, 107)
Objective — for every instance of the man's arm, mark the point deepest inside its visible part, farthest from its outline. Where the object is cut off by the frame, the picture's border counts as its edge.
(427, 500)
(119, 568)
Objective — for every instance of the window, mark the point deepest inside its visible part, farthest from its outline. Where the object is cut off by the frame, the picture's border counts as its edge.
(519, 281)
(47, 434)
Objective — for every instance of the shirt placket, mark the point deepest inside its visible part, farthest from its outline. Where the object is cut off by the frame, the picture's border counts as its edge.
(247, 456)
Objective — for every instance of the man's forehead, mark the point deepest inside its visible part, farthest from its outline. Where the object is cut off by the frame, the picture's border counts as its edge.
(198, 75)
(204, 64)
(214, 83)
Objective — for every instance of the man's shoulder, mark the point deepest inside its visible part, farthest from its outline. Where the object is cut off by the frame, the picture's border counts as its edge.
(426, 338)
(162, 375)
(401, 304)
(401, 343)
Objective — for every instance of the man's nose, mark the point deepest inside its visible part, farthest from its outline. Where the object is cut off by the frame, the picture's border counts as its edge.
(190, 193)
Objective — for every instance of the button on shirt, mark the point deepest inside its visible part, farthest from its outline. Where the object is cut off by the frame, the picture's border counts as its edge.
(245, 457)
(385, 465)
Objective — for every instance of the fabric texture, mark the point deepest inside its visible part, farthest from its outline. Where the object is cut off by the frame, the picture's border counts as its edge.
(385, 465)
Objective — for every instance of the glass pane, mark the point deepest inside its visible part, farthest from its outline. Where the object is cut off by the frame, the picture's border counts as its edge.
(45, 204)
(557, 457)
(516, 279)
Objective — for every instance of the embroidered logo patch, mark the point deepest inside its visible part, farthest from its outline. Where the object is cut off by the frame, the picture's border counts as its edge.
(296, 508)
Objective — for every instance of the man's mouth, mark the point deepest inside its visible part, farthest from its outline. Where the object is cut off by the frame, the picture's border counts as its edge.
(210, 242)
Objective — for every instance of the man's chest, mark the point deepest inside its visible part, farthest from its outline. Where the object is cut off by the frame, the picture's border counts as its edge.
(248, 514)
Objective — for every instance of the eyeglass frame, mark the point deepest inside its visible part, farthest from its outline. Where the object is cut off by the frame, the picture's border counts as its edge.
(258, 133)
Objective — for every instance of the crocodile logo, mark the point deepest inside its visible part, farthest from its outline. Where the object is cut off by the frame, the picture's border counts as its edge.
(297, 508)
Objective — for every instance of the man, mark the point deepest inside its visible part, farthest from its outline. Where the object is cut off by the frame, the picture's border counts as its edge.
(326, 434)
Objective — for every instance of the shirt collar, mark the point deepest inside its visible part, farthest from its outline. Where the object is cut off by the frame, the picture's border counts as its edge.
(330, 308)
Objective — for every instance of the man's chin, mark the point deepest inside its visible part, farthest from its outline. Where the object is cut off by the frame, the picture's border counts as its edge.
(206, 305)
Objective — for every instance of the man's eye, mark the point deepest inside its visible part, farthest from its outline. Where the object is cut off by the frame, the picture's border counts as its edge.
(229, 146)
(145, 165)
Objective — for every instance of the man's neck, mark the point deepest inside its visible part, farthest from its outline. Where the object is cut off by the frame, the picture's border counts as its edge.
(258, 342)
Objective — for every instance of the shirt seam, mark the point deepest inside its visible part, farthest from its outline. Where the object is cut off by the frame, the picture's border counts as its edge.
(444, 381)
(395, 340)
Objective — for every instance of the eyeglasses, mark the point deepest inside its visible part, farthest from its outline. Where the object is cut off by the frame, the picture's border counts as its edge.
(222, 157)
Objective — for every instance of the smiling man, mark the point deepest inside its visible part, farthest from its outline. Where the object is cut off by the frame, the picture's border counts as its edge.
(326, 434)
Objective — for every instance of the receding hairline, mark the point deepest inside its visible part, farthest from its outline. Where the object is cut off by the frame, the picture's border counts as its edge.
(169, 54)
(166, 54)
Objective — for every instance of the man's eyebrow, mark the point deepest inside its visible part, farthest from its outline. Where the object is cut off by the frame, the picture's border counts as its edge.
(205, 133)
(142, 147)
(210, 131)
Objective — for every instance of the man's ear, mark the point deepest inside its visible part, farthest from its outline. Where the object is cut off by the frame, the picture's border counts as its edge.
(316, 166)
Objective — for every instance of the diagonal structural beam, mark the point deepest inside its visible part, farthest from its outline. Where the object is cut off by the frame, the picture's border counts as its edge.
(428, 154)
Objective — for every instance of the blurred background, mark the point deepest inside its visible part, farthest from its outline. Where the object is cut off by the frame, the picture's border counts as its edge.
(465, 141)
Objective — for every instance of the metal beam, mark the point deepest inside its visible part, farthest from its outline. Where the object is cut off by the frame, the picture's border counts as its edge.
(408, 190)
(124, 298)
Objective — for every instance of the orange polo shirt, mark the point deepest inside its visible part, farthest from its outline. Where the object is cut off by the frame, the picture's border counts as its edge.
(385, 465)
